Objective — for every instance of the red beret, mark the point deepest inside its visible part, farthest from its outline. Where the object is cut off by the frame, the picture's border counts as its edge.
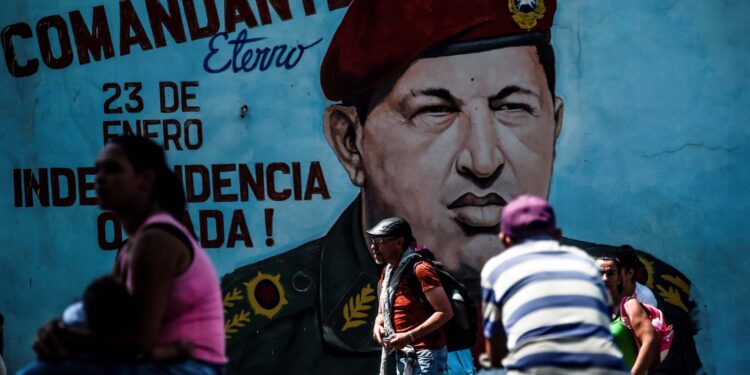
(378, 38)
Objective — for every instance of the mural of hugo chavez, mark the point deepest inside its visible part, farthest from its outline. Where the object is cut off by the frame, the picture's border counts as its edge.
(446, 112)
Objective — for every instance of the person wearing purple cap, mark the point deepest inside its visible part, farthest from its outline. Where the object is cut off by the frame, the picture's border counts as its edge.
(545, 308)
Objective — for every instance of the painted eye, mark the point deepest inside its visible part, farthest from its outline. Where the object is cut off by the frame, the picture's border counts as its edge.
(514, 107)
(434, 110)
(434, 117)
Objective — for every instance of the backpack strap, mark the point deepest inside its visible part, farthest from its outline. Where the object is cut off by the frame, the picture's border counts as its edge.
(413, 282)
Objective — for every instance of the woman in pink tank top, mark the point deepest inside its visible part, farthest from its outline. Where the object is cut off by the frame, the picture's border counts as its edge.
(178, 306)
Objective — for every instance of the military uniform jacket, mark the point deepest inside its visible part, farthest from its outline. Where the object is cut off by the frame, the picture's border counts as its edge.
(307, 311)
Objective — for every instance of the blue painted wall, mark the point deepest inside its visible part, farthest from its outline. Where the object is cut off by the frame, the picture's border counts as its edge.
(654, 149)
(652, 153)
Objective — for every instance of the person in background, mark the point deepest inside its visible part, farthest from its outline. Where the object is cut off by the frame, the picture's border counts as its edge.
(442, 112)
(630, 264)
(107, 310)
(174, 286)
(639, 346)
(460, 361)
(404, 323)
(545, 308)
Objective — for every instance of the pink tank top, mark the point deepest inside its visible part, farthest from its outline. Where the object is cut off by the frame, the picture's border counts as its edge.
(194, 310)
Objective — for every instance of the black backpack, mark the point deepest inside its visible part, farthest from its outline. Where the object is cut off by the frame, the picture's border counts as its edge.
(461, 330)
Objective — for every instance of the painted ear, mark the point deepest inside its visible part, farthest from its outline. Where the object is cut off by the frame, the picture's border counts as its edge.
(559, 106)
(343, 131)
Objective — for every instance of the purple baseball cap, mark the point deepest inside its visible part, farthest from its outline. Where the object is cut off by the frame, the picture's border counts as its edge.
(528, 215)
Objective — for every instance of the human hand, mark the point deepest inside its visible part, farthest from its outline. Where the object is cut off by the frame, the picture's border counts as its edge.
(178, 351)
(377, 334)
(398, 341)
(50, 341)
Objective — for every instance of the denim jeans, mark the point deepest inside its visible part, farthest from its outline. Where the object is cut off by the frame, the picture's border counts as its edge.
(460, 362)
(429, 362)
(188, 367)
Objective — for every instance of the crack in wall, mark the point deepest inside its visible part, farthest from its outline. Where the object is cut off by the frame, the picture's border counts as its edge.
(688, 145)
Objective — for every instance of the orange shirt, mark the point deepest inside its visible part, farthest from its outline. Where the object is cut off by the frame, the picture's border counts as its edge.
(409, 311)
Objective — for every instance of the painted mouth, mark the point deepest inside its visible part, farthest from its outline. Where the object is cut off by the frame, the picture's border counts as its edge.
(477, 212)
(470, 199)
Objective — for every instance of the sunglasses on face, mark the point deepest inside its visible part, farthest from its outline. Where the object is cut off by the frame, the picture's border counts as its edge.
(379, 240)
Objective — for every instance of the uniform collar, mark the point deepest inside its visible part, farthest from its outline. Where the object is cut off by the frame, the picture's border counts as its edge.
(348, 285)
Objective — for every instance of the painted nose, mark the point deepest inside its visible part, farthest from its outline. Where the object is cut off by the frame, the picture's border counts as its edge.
(481, 157)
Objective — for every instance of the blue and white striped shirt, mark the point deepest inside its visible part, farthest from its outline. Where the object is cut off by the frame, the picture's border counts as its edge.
(551, 303)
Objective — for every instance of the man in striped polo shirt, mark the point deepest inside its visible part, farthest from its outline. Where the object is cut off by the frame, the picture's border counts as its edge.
(546, 310)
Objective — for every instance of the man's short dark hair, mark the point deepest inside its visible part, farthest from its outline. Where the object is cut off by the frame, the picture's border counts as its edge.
(618, 266)
(368, 99)
(613, 259)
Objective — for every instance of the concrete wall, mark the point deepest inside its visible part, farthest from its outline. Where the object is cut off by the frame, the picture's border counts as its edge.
(653, 150)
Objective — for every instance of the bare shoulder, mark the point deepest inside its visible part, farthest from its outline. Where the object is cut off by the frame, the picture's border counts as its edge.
(634, 307)
(156, 243)
(632, 302)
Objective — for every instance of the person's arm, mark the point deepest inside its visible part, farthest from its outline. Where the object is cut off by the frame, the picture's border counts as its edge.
(497, 349)
(157, 259)
(56, 340)
(379, 329)
(176, 351)
(442, 314)
(495, 345)
(644, 333)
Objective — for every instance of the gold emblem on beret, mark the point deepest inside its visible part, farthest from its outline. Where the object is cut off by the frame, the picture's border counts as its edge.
(526, 13)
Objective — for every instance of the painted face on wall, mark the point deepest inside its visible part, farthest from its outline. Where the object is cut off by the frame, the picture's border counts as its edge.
(454, 140)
